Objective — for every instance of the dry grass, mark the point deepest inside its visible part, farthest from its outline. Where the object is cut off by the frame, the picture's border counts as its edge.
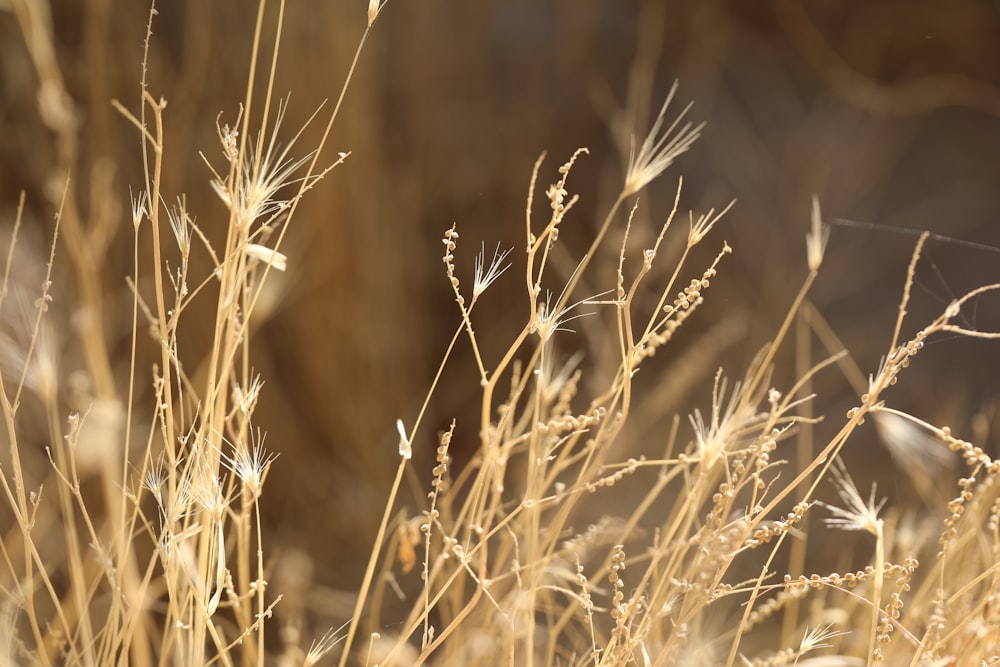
(133, 530)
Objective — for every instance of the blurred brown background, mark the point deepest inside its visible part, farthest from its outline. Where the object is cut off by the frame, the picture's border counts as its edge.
(889, 111)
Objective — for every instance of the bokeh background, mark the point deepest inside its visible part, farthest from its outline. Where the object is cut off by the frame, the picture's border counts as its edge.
(888, 111)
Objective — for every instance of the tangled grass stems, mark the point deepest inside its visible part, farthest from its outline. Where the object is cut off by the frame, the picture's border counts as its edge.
(178, 598)
(545, 495)
(539, 550)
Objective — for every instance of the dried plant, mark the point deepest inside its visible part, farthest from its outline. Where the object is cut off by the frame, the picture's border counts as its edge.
(134, 535)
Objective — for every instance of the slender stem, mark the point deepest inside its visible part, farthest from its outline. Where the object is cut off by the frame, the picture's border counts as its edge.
(372, 561)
